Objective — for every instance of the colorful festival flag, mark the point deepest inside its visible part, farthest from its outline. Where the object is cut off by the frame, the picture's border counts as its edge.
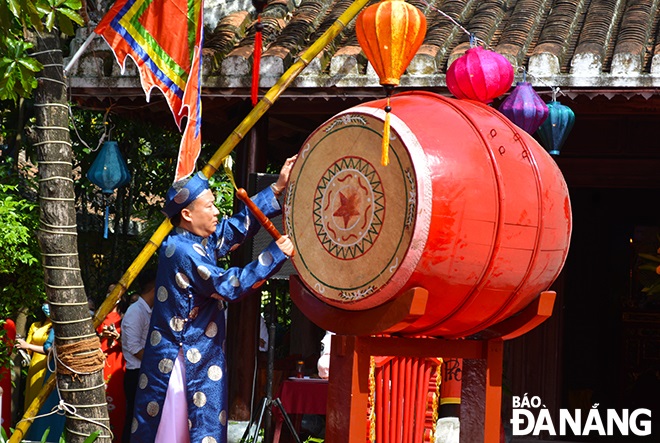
(164, 38)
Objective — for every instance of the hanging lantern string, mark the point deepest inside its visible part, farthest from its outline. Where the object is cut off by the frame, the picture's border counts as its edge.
(554, 93)
(107, 128)
(474, 40)
(75, 128)
(553, 88)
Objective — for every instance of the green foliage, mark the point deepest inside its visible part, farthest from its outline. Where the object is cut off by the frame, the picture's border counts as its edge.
(17, 68)
(92, 437)
(62, 12)
(150, 152)
(5, 358)
(45, 436)
(9, 116)
(21, 275)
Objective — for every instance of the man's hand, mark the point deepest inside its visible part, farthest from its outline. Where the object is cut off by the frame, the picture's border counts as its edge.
(285, 245)
(285, 172)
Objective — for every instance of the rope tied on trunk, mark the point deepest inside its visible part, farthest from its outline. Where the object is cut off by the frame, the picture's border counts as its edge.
(81, 357)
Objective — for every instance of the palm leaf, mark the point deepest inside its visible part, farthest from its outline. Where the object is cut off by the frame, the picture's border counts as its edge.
(92, 437)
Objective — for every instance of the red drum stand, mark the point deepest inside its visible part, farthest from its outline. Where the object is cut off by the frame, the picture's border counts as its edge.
(355, 345)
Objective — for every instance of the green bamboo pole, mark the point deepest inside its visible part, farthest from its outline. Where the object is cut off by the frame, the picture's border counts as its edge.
(211, 167)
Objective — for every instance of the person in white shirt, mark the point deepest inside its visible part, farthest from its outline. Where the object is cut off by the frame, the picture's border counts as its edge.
(323, 364)
(263, 334)
(134, 329)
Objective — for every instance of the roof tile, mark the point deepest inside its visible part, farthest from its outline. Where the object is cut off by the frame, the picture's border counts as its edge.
(581, 43)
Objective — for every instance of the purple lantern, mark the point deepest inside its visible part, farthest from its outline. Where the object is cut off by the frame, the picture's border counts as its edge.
(525, 108)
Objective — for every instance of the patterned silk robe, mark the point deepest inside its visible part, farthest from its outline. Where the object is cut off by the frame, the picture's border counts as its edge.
(188, 315)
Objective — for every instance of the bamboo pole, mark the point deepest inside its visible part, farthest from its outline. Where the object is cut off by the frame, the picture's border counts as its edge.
(211, 167)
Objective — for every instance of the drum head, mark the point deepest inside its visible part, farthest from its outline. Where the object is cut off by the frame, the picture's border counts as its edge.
(356, 224)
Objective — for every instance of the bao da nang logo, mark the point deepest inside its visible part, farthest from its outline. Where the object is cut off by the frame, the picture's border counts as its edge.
(531, 417)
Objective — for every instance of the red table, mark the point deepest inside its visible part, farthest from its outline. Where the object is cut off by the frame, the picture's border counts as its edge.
(298, 397)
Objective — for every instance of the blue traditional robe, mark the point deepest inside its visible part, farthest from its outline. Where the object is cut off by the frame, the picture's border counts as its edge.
(188, 315)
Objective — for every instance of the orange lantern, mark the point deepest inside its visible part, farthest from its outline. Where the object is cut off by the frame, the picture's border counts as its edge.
(390, 32)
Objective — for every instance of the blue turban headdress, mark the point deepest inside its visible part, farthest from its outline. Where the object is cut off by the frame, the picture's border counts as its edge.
(175, 200)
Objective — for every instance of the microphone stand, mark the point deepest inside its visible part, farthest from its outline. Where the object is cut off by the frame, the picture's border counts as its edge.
(266, 404)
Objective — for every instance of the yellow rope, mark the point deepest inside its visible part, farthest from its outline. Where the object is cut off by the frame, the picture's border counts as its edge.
(228, 165)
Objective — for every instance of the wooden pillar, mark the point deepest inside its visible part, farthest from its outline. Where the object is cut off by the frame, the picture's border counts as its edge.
(348, 392)
(494, 360)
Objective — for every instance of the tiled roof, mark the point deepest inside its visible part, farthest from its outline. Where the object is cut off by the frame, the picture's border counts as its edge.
(604, 54)
(580, 43)
(576, 43)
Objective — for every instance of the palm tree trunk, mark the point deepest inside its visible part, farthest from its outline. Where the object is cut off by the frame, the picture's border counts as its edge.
(80, 382)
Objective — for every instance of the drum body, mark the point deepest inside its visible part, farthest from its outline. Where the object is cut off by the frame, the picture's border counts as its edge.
(471, 208)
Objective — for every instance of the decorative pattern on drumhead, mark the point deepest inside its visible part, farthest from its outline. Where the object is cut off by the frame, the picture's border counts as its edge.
(351, 251)
(348, 208)
(346, 119)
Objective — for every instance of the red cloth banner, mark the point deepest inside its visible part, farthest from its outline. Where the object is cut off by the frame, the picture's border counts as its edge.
(5, 377)
(164, 38)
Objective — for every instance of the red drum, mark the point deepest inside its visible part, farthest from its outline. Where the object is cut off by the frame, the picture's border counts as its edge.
(470, 208)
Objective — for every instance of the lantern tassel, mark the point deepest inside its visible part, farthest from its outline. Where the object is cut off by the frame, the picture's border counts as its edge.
(385, 157)
(385, 151)
(258, 42)
(106, 220)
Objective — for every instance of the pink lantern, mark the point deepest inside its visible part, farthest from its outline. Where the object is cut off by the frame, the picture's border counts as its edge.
(480, 75)
(525, 108)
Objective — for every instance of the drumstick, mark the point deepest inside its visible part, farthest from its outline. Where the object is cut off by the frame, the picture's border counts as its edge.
(265, 221)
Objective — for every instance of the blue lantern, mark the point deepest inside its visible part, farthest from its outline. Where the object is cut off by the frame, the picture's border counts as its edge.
(109, 171)
(554, 131)
(525, 108)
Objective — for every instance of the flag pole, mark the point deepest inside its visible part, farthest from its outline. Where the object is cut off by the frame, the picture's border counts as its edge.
(79, 52)
(211, 167)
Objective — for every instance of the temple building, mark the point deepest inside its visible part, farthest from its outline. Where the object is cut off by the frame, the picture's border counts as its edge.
(602, 345)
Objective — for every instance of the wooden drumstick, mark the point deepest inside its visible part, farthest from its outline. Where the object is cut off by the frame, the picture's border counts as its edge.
(265, 221)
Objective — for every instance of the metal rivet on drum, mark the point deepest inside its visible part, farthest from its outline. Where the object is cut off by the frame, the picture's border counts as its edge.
(493, 132)
(502, 150)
